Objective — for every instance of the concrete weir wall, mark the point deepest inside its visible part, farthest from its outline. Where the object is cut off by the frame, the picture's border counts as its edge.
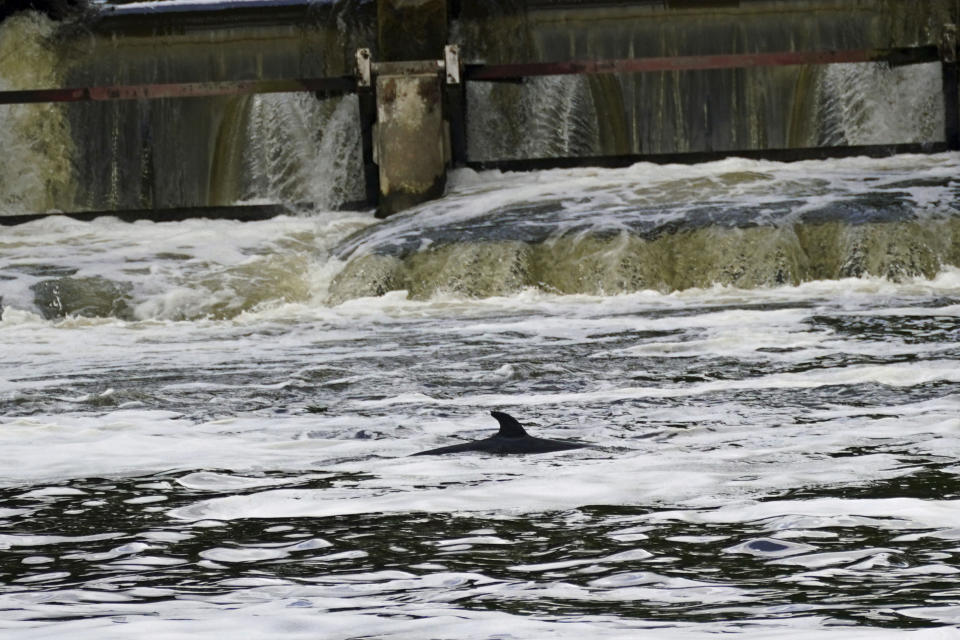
(183, 152)
(205, 152)
(686, 111)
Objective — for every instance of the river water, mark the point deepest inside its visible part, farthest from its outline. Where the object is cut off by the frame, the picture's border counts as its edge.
(204, 432)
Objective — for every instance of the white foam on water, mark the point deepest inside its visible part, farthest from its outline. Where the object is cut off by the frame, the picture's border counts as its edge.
(143, 442)
(184, 270)
(286, 613)
(608, 199)
(702, 407)
(634, 554)
(893, 513)
(301, 149)
(14, 540)
(133, 441)
(879, 104)
(199, 268)
(649, 474)
(893, 375)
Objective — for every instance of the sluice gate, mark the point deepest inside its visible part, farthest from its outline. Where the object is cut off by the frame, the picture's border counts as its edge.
(690, 94)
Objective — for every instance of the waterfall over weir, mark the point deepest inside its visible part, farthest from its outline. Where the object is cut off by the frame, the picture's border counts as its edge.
(300, 149)
(206, 424)
(735, 222)
(291, 149)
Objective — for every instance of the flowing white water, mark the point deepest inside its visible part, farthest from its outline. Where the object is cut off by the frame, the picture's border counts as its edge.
(552, 117)
(294, 149)
(195, 441)
(149, 439)
(876, 104)
(231, 456)
(301, 149)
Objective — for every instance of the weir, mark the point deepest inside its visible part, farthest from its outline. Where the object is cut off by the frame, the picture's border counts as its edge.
(168, 93)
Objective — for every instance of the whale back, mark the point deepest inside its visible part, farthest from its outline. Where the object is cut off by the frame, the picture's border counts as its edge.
(509, 427)
(512, 438)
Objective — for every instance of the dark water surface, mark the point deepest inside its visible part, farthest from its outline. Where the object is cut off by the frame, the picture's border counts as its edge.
(196, 441)
(770, 460)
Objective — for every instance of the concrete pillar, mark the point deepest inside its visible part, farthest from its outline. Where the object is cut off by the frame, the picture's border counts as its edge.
(411, 140)
(410, 143)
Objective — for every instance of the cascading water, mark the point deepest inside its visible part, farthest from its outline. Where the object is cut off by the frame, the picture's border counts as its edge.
(744, 224)
(205, 425)
(735, 222)
(293, 149)
(876, 104)
(36, 172)
(300, 149)
(546, 117)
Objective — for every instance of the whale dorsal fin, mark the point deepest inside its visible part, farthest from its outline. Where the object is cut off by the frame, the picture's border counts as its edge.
(509, 427)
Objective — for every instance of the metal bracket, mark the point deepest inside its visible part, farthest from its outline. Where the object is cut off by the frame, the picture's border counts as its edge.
(449, 66)
(948, 43)
(451, 60)
(364, 74)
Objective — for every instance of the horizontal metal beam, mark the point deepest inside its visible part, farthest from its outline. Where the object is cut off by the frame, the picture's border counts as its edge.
(894, 57)
(337, 85)
(482, 72)
(696, 157)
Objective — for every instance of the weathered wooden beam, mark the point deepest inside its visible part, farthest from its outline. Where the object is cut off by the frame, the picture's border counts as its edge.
(407, 67)
(895, 57)
(326, 86)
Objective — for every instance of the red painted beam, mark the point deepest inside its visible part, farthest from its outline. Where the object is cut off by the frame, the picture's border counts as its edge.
(914, 55)
(345, 84)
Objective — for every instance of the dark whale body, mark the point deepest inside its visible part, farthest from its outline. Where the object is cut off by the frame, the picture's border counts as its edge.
(511, 438)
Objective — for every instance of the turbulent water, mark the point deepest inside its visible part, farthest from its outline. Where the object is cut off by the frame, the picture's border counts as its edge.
(205, 430)
(733, 222)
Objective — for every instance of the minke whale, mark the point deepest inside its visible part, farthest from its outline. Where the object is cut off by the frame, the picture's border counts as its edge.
(512, 438)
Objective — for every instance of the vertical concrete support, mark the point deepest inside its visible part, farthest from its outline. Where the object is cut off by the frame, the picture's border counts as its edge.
(951, 87)
(411, 29)
(410, 141)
